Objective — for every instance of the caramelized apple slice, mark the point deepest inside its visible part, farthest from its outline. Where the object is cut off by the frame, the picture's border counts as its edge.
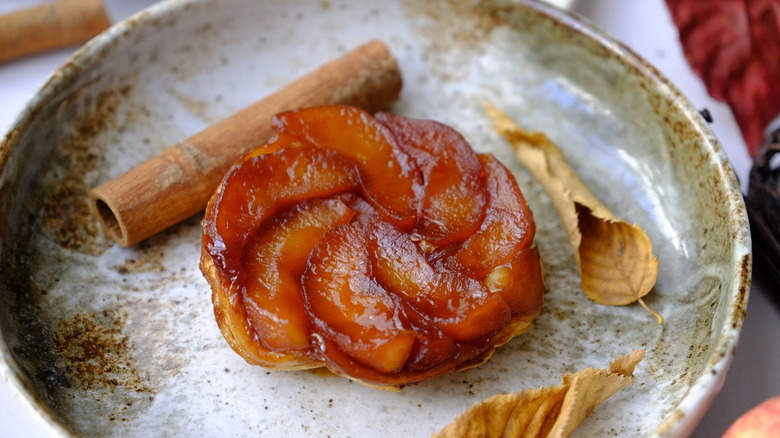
(261, 186)
(387, 174)
(461, 306)
(253, 190)
(274, 260)
(507, 228)
(349, 308)
(453, 195)
(519, 283)
(234, 325)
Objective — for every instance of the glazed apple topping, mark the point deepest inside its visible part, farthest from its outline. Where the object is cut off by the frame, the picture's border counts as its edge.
(381, 247)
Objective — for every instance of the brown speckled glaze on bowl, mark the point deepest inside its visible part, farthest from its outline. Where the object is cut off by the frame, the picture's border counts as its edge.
(106, 341)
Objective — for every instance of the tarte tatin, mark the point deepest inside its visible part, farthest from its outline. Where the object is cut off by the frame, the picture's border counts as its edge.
(381, 247)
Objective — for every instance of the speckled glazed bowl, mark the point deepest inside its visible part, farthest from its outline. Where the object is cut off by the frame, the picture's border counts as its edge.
(106, 341)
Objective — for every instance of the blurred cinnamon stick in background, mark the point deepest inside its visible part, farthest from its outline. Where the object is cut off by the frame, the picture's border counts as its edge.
(50, 26)
(178, 183)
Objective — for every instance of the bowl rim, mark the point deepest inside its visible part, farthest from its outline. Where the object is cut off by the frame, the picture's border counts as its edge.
(699, 396)
(54, 84)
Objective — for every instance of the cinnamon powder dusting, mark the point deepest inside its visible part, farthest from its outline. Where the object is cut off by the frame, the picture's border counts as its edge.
(94, 353)
(66, 214)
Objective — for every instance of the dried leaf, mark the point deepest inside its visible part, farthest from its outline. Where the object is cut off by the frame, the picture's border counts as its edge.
(733, 46)
(617, 265)
(553, 411)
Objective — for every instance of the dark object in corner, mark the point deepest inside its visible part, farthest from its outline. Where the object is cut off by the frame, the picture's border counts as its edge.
(705, 113)
(763, 204)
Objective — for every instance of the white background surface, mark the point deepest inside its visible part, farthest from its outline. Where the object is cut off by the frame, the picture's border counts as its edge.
(644, 26)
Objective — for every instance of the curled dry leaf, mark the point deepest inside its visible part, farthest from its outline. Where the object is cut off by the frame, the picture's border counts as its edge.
(553, 411)
(617, 265)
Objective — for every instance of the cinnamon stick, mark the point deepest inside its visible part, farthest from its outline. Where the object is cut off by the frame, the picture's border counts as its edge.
(178, 183)
(50, 26)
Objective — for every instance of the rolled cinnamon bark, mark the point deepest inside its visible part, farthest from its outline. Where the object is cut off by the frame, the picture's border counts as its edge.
(50, 26)
(179, 182)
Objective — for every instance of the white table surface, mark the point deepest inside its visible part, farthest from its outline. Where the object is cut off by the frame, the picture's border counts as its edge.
(644, 26)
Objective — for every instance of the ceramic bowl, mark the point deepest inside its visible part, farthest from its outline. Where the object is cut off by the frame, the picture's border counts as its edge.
(111, 341)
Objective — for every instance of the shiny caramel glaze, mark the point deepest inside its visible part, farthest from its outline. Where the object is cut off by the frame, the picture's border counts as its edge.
(383, 248)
